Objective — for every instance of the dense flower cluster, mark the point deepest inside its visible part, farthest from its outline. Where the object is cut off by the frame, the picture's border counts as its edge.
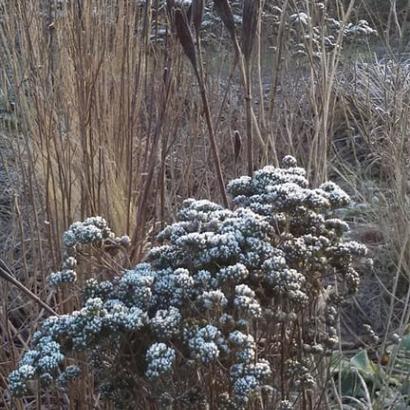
(160, 359)
(220, 287)
(93, 230)
(206, 344)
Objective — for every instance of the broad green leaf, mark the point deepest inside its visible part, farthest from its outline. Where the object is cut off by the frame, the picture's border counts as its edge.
(362, 363)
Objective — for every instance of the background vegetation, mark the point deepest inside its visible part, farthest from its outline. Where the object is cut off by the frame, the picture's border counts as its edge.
(108, 109)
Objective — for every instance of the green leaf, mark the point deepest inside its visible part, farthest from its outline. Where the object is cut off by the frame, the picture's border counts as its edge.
(362, 363)
(405, 344)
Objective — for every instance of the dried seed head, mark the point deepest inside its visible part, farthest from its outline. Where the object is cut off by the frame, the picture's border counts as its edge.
(197, 13)
(251, 10)
(224, 11)
(237, 143)
(184, 35)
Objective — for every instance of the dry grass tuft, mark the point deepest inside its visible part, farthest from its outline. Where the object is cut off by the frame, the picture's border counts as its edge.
(100, 114)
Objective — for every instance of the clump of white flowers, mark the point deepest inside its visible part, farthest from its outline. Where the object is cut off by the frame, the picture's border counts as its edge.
(160, 360)
(92, 231)
(247, 296)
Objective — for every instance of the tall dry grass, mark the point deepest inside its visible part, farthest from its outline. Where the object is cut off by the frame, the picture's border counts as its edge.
(112, 123)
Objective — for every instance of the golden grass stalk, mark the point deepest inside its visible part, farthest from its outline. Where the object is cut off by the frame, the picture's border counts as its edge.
(186, 39)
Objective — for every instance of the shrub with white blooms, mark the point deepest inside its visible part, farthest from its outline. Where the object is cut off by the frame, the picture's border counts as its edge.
(243, 297)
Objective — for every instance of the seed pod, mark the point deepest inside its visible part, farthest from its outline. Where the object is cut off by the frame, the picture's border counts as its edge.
(224, 11)
(251, 9)
(237, 144)
(185, 35)
(197, 10)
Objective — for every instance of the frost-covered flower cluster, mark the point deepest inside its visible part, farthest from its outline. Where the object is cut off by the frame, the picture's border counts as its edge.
(246, 302)
(92, 231)
(249, 378)
(166, 322)
(300, 374)
(317, 31)
(206, 344)
(227, 291)
(160, 359)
